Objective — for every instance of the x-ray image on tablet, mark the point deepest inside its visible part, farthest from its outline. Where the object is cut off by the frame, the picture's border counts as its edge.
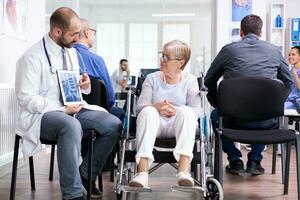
(68, 83)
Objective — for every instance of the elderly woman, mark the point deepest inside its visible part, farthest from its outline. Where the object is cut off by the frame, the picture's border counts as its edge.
(168, 107)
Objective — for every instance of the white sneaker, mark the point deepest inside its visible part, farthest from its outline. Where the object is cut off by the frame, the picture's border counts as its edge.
(185, 179)
(139, 180)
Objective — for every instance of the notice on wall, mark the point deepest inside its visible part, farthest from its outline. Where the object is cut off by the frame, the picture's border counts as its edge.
(240, 9)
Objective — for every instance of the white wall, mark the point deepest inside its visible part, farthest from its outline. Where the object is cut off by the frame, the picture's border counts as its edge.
(221, 9)
(292, 8)
(12, 48)
(222, 26)
(10, 51)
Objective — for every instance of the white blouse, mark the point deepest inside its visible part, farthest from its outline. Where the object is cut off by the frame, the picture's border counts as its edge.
(184, 93)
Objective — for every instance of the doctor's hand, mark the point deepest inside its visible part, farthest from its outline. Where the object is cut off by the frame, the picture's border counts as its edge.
(72, 109)
(84, 82)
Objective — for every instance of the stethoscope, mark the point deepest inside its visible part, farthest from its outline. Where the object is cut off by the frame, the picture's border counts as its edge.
(51, 68)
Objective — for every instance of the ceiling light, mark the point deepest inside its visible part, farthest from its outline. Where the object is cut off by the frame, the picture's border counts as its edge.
(174, 15)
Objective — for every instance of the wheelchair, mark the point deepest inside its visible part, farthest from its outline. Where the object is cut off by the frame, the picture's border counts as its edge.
(203, 154)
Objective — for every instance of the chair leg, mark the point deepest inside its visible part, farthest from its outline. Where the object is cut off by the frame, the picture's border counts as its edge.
(283, 159)
(52, 162)
(14, 169)
(274, 158)
(100, 182)
(287, 168)
(90, 165)
(218, 171)
(31, 168)
(112, 163)
(298, 164)
(194, 165)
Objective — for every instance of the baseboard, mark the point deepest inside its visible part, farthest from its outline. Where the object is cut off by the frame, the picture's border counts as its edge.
(8, 158)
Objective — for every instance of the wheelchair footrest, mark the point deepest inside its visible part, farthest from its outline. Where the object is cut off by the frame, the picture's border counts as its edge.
(135, 189)
(186, 189)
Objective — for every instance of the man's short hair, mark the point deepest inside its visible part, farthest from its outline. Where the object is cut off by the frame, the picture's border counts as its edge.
(251, 24)
(123, 60)
(62, 18)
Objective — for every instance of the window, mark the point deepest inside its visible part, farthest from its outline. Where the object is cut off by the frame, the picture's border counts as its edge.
(143, 46)
(177, 31)
(111, 44)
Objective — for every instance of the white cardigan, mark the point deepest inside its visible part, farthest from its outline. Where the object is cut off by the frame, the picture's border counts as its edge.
(37, 90)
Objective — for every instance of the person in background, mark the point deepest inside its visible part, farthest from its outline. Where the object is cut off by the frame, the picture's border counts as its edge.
(43, 116)
(168, 107)
(94, 65)
(119, 76)
(249, 57)
(294, 97)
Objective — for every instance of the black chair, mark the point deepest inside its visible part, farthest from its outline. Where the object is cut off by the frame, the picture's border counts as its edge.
(251, 100)
(98, 96)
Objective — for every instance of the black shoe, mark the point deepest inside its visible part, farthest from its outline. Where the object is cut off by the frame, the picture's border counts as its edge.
(235, 167)
(254, 167)
(95, 191)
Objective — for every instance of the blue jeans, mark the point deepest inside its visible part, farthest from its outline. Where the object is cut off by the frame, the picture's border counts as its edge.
(118, 112)
(228, 146)
(68, 132)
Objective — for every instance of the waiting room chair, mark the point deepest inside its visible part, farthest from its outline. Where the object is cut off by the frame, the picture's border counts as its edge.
(250, 100)
(99, 96)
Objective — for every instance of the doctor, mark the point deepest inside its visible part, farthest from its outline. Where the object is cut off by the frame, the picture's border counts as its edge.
(42, 115)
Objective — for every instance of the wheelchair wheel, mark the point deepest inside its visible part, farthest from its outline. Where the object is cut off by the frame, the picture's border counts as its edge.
(214, 190)
(120, 196)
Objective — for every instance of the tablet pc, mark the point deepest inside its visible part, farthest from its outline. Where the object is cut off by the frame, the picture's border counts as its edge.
(68, 83)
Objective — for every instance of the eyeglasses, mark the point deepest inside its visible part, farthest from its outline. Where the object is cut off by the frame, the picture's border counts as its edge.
(165, 58)
(94, 30)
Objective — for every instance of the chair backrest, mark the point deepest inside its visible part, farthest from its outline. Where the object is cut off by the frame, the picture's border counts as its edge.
(143, 74)
(250, 99)
(200, 80)
(99, 93)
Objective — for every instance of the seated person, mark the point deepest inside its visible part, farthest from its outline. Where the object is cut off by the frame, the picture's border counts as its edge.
(118, 77)
(294, 97)
(250, 57)
(94, 65)
(169, 106)
(42, 116)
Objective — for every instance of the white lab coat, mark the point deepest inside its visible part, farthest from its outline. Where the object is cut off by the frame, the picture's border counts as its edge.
(37, 90)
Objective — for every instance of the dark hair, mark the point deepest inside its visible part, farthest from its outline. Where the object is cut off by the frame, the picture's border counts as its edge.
(61, 18)
(123, 60)
(297, 47)
(251, 24)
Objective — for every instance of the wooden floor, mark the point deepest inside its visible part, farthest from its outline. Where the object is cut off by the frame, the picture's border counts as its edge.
(267, 186)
